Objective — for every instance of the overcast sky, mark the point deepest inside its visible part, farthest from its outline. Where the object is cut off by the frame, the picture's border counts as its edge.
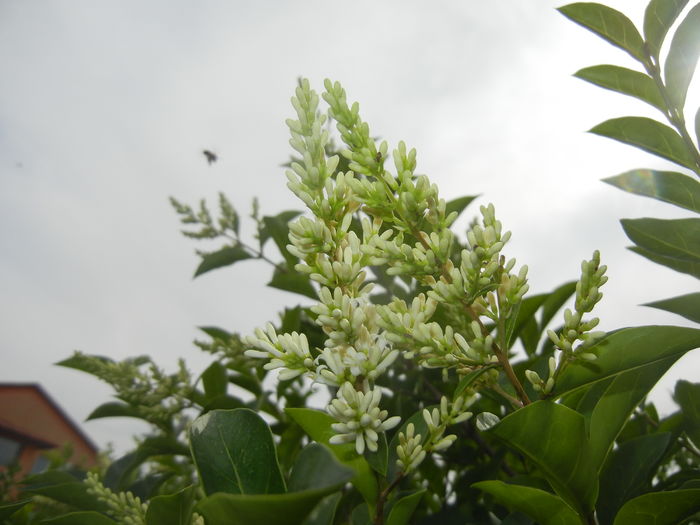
(106, 106)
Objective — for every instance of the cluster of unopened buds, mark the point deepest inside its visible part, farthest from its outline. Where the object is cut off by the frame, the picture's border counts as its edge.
(575, 328)
(412, 447)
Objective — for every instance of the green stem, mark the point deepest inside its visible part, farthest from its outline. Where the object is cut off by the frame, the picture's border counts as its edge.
(383, 495)
(673, 114)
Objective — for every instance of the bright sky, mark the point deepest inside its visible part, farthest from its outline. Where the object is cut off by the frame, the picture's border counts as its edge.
(106, 106)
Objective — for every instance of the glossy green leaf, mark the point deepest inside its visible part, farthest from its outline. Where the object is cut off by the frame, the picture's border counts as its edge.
(544, 507)
(215, 380)
(81, 518)
(625, 81)
(683, 57)
(114, 409)
(649, 135)
(173, 509)
(627, 349)
(234, 452)
(8, 509)
(607, 23)
(315, 475)
(270, 509)
(628, 472)
(667, 186)
(679, 265)
(658, 18)
(677, 238)
(617, 403)
(290, 280)
(324, 511)
(687, 395)
(404, 508)
(315, 468)
(660, 508)
(686, 305)
(224, 257)
(554, 438)
(697, 128)
(459, 204)
(317, 425)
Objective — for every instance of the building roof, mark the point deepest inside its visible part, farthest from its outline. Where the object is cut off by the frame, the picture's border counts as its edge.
(42, 443)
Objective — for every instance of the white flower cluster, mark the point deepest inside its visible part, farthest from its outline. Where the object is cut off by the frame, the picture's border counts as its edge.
(360, 418)
(407, 229)
(287, 351)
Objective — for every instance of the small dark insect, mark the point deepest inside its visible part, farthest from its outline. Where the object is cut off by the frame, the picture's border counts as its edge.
(211, 157)
(378, 157)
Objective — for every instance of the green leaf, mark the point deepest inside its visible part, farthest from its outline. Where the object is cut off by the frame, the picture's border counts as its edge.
(290, 280)
(554, 438)
(628, 472)
(64, 488)
(469, 379)
(687, 395)
(459, 204)
(269, 509)
(649, 135)
(615, 406)
(8, 509)
(545, 508)
(315, 475)
(686, 305)
(378, 460)
(658, 18)
(608, 24)
(281, 218)
(627, 349)
(316, 467)
(667, 186)
(234, 452)
(683, 57)
(173, 509)
(224, 402)
(677, 238)
(216, 333)
(324, 511)
(403, 509)
(625, 81)
(660, 508)
(679, 265)
(81, 518)
(697, 127)
(278, 228)
(215, 380)
(114, 409)
(118, 475)
(224, 257)
(317, 425)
